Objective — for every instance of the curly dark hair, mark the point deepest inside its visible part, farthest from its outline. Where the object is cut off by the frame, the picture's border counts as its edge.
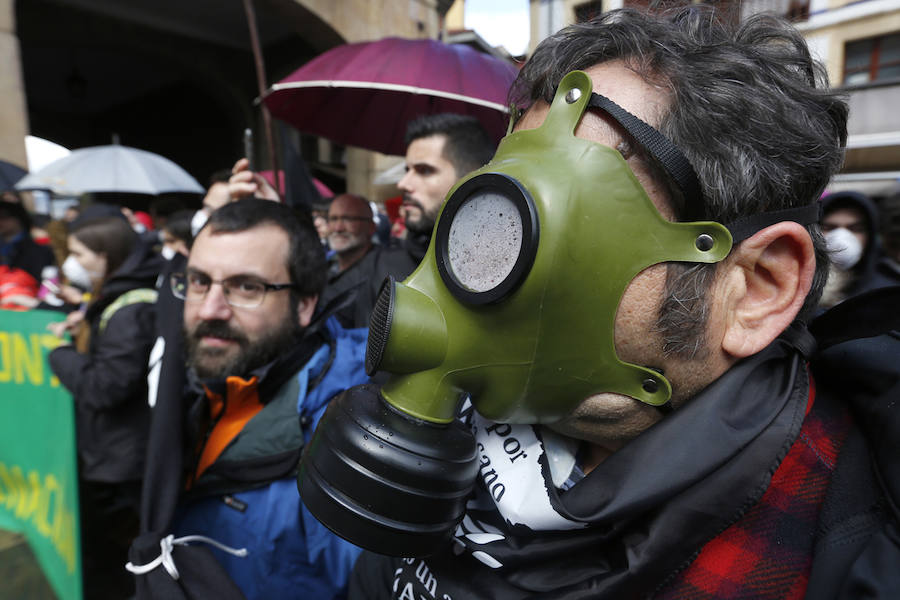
(750, 108)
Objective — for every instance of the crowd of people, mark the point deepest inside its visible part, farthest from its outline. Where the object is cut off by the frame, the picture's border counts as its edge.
(145, 339)
(203, 349)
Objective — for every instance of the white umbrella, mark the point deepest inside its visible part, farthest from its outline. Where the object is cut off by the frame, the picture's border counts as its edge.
(112, 168)
(41, 152)
(391, 174)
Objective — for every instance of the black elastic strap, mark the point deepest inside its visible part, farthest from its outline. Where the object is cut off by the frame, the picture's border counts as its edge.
(745, 227)
(667, 154)
(680, 170)
(798, 336)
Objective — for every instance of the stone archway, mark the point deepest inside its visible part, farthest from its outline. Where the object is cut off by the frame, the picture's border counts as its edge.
(168, 76)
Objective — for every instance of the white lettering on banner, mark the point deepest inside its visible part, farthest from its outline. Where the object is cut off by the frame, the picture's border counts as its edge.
(423, 574)
(511, 471)
(407, 592)
(416, 584)
(490, 476)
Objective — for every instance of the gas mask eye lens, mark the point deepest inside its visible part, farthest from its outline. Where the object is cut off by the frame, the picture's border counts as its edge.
(486, 238)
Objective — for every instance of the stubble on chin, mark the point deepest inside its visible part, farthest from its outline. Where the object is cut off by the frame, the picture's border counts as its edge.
(607, 420)
(423, 224)
(209, 362)
(243, 358)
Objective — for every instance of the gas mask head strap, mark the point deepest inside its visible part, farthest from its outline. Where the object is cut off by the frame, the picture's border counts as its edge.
(744, 227)
(680, 170)
(667, 154)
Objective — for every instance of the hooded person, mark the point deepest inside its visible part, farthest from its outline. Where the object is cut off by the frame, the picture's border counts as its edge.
(850, 223)
(108, 384)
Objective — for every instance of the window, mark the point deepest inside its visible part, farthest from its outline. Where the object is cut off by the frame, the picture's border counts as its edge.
(872, 59)
(793, 10)
(588, 10)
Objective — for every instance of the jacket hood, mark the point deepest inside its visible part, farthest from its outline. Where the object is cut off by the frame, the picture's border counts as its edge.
(141, 269)
(872, 251)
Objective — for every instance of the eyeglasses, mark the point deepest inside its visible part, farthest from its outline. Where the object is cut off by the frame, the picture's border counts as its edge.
(346, 219)
(241, 291)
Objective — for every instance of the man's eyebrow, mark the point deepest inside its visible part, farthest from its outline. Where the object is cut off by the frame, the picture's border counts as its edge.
(196, 271)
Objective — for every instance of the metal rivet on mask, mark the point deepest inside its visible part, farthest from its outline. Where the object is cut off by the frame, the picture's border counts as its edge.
(704, 242)
(573, 95)
(651, 386)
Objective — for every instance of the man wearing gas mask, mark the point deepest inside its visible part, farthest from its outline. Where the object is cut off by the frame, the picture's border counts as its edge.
(599, 379)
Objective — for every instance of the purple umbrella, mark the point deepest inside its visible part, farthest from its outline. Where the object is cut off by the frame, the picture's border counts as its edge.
(364, 94)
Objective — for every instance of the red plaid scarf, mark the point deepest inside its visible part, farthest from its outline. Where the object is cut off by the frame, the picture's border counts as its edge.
(768, 552)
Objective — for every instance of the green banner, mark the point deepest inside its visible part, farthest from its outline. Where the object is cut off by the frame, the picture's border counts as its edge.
(38, 472)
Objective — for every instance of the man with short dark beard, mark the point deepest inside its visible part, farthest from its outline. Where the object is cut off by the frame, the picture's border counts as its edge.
(440, 149)
(263, 369)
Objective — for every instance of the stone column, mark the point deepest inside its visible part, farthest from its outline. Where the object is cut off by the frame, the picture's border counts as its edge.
(13, 110)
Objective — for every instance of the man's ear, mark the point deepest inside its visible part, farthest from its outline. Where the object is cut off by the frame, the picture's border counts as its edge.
(766, 284)
(305, 309)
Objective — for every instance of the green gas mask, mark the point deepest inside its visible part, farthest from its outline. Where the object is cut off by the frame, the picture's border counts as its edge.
(513, 306)
(515, 301)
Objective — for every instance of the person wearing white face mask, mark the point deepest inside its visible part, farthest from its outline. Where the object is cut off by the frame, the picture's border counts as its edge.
(107, 380)
(850, 225)
(176, 235)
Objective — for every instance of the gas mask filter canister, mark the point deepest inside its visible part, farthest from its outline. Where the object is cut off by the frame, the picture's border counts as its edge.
(513, 306)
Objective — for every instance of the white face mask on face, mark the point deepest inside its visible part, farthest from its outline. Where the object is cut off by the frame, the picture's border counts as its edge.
(168, 252)
(76, 273)
(198, 221)
(843, 248)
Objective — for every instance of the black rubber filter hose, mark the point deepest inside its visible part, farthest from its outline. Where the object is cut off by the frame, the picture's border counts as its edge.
(384, 480)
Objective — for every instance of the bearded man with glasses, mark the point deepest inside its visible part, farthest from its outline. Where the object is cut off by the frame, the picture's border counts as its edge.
(262, 371)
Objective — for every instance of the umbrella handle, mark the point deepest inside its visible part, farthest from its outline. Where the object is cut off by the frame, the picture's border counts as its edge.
(261, 84)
